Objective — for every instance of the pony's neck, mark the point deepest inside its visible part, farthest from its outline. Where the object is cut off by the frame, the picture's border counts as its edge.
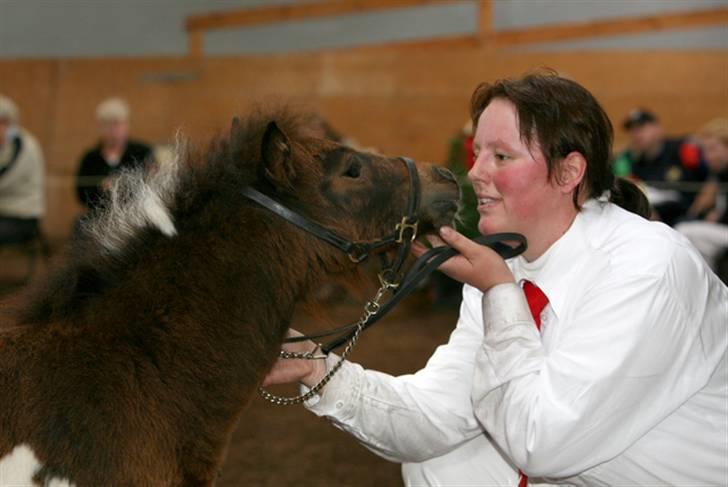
(225, 300)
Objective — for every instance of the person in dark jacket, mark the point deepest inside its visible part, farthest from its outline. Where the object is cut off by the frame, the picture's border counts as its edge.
(114, 152)
(662, 163)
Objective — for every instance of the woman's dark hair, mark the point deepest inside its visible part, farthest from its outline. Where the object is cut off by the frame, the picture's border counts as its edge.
(561, 117)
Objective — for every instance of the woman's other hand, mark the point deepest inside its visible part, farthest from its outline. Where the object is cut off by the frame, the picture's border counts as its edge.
(285, 371)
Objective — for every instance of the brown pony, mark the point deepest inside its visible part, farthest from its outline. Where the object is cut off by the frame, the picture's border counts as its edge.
(132, 365)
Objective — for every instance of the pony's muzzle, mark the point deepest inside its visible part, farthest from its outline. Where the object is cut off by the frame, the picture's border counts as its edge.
(440, 197)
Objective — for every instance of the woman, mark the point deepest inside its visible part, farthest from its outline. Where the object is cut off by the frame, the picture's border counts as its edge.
(610, 370)
(710, 234)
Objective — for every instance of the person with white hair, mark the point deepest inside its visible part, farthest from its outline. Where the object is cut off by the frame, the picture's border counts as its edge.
(22, 173)
(113, 152)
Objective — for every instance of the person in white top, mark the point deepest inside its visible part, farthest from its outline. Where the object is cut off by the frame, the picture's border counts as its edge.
(22, 176)
(626, 380)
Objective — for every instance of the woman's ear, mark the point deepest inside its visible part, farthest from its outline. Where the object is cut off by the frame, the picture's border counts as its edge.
(277, 160)
(571, 172)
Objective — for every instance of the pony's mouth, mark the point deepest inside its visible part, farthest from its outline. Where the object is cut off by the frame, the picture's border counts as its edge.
(438, 213)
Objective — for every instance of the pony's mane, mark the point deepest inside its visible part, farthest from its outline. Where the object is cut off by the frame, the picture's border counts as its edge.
(155, 198)
(148, 204)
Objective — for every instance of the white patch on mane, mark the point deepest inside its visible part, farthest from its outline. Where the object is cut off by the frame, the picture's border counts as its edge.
(18, 467)
(138, 199)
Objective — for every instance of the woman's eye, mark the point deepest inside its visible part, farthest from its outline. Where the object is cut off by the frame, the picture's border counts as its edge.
(353, 172)
(501, 157)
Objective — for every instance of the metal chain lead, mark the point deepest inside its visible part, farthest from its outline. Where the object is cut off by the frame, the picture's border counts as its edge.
(371, 308)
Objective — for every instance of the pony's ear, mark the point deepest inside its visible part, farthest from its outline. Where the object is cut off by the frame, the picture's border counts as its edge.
(277, 160)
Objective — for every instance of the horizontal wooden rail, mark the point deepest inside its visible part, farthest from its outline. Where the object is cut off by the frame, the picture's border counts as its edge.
(285, 13)
(197, 25)
(612, 27)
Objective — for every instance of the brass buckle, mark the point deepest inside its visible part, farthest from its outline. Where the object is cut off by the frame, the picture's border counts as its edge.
(403, 226)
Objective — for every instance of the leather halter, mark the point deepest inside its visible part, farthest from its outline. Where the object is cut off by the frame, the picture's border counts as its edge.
(404, 234)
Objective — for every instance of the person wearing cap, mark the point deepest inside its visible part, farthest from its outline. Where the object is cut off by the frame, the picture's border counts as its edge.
(113, 152)
(709, 231)
(22, 173)
(654, 158)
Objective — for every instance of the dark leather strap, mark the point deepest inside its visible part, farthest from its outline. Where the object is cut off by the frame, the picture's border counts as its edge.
(423, 267)
(303, 223)
(17, 146)
(357, 251)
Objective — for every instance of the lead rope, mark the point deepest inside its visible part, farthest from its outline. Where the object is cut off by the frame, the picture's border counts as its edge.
(371, 308)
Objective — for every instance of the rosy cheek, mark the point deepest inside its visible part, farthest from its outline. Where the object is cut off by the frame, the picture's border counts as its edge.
(520, 187)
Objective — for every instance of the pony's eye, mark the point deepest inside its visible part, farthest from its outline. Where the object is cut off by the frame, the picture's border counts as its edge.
(354, 171)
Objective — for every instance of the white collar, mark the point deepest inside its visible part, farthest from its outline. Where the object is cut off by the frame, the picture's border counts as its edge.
(553, 271)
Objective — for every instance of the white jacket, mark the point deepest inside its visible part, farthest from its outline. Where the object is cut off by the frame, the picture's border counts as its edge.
(22, 191)
(626, 385)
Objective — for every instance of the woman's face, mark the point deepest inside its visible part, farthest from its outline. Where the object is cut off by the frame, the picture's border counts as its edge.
(510, 179)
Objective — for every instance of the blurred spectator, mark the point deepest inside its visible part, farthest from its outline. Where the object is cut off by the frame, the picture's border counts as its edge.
(710, 235)
(22, 199)
(114, 152)
(654, 158)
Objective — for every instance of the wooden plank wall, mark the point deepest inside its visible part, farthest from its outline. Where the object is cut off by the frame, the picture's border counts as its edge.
(403, 101)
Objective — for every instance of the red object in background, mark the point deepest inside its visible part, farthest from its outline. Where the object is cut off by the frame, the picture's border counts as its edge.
(690, 155)
(469, 154)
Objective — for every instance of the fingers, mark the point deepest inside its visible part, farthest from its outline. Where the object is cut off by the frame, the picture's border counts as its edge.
(459, 242)
(419, 249)
(435, 241)
(288, 371)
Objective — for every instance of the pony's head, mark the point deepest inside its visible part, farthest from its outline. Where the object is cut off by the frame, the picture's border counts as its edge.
(360, 195)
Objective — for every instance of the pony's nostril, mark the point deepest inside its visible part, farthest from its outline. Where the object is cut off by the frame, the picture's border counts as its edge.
(445, 174)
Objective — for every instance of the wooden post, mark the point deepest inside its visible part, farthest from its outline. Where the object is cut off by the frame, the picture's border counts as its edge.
(485, 19)
(485, 32)
(195, 43)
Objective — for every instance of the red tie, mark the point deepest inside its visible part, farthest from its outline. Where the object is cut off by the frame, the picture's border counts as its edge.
(537, 301)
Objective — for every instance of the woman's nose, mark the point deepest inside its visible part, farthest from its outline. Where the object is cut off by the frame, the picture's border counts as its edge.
(480, 170)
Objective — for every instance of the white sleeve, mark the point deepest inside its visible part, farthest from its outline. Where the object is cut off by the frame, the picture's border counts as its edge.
(632, 352)
(411, 418)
